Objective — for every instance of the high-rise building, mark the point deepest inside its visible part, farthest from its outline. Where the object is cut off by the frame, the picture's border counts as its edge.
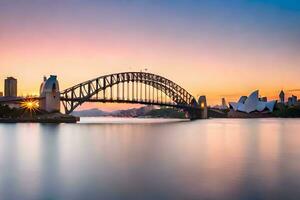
(10, 87)
(224, 104)
(290, 101)
(264, 99)
(294, 100)
(281, 96)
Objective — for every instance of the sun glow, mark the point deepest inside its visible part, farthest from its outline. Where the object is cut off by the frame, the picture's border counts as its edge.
(30, 105)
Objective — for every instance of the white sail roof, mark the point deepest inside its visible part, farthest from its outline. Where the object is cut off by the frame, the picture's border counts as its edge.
(252, 103)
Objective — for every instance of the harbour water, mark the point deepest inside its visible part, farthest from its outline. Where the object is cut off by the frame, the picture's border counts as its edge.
(105, 158)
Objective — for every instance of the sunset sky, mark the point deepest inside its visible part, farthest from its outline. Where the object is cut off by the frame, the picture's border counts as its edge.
(213, 47)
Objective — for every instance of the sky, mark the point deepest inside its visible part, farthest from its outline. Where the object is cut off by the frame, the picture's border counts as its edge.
(215, 48)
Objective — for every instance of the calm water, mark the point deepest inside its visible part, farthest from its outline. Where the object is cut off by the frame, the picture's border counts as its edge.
(151, 159)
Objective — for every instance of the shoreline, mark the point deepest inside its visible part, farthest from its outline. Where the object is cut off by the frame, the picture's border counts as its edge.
(31, 120)
(73, 119)
(46, 118)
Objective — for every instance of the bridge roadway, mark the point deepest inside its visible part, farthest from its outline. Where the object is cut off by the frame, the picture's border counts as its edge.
(18, 99)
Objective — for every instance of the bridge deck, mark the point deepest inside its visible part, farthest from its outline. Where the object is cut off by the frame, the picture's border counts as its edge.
(131, 102)
(18, 99)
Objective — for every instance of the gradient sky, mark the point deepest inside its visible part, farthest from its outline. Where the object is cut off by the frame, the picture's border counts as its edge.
(214, 47)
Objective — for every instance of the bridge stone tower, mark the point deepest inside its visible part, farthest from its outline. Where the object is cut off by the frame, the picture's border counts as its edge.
(49, 92)
(203, 104)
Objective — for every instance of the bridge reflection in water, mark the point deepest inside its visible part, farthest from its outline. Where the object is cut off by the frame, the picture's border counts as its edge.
(133, 87)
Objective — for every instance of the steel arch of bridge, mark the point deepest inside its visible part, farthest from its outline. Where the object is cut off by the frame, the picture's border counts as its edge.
(129, 87)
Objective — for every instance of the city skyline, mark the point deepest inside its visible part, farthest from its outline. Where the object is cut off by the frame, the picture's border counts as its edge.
(213, 48)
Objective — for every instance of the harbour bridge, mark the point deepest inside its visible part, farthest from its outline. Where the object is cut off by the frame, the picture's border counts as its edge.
(128, 87)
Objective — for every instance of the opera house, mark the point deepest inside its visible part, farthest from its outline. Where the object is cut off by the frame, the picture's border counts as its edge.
(252, 103)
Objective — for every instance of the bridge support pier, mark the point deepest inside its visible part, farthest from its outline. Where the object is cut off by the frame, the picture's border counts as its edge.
(203, 105)
(199, 113)
(195, 114)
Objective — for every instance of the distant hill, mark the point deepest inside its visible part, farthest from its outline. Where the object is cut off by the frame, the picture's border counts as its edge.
(146, 111)
(165, 113)
(90, 113)
(134, 112)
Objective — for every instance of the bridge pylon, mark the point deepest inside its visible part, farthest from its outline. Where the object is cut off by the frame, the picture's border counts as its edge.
(203, 105)
(50, 95)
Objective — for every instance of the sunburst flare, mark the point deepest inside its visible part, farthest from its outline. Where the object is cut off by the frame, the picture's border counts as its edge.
(30, 105)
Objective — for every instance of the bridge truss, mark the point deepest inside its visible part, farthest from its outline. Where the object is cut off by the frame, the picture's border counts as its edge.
(129, 87)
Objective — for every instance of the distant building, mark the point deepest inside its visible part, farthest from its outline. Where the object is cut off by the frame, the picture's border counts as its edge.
(224, 104)
(290, 101)
(294, 99)
(252, 103)
(10, 87)
(1, 94)
(281, 96)
(264, 99)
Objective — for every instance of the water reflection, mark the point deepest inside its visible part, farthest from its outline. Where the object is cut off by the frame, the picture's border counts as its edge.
(209, 159)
